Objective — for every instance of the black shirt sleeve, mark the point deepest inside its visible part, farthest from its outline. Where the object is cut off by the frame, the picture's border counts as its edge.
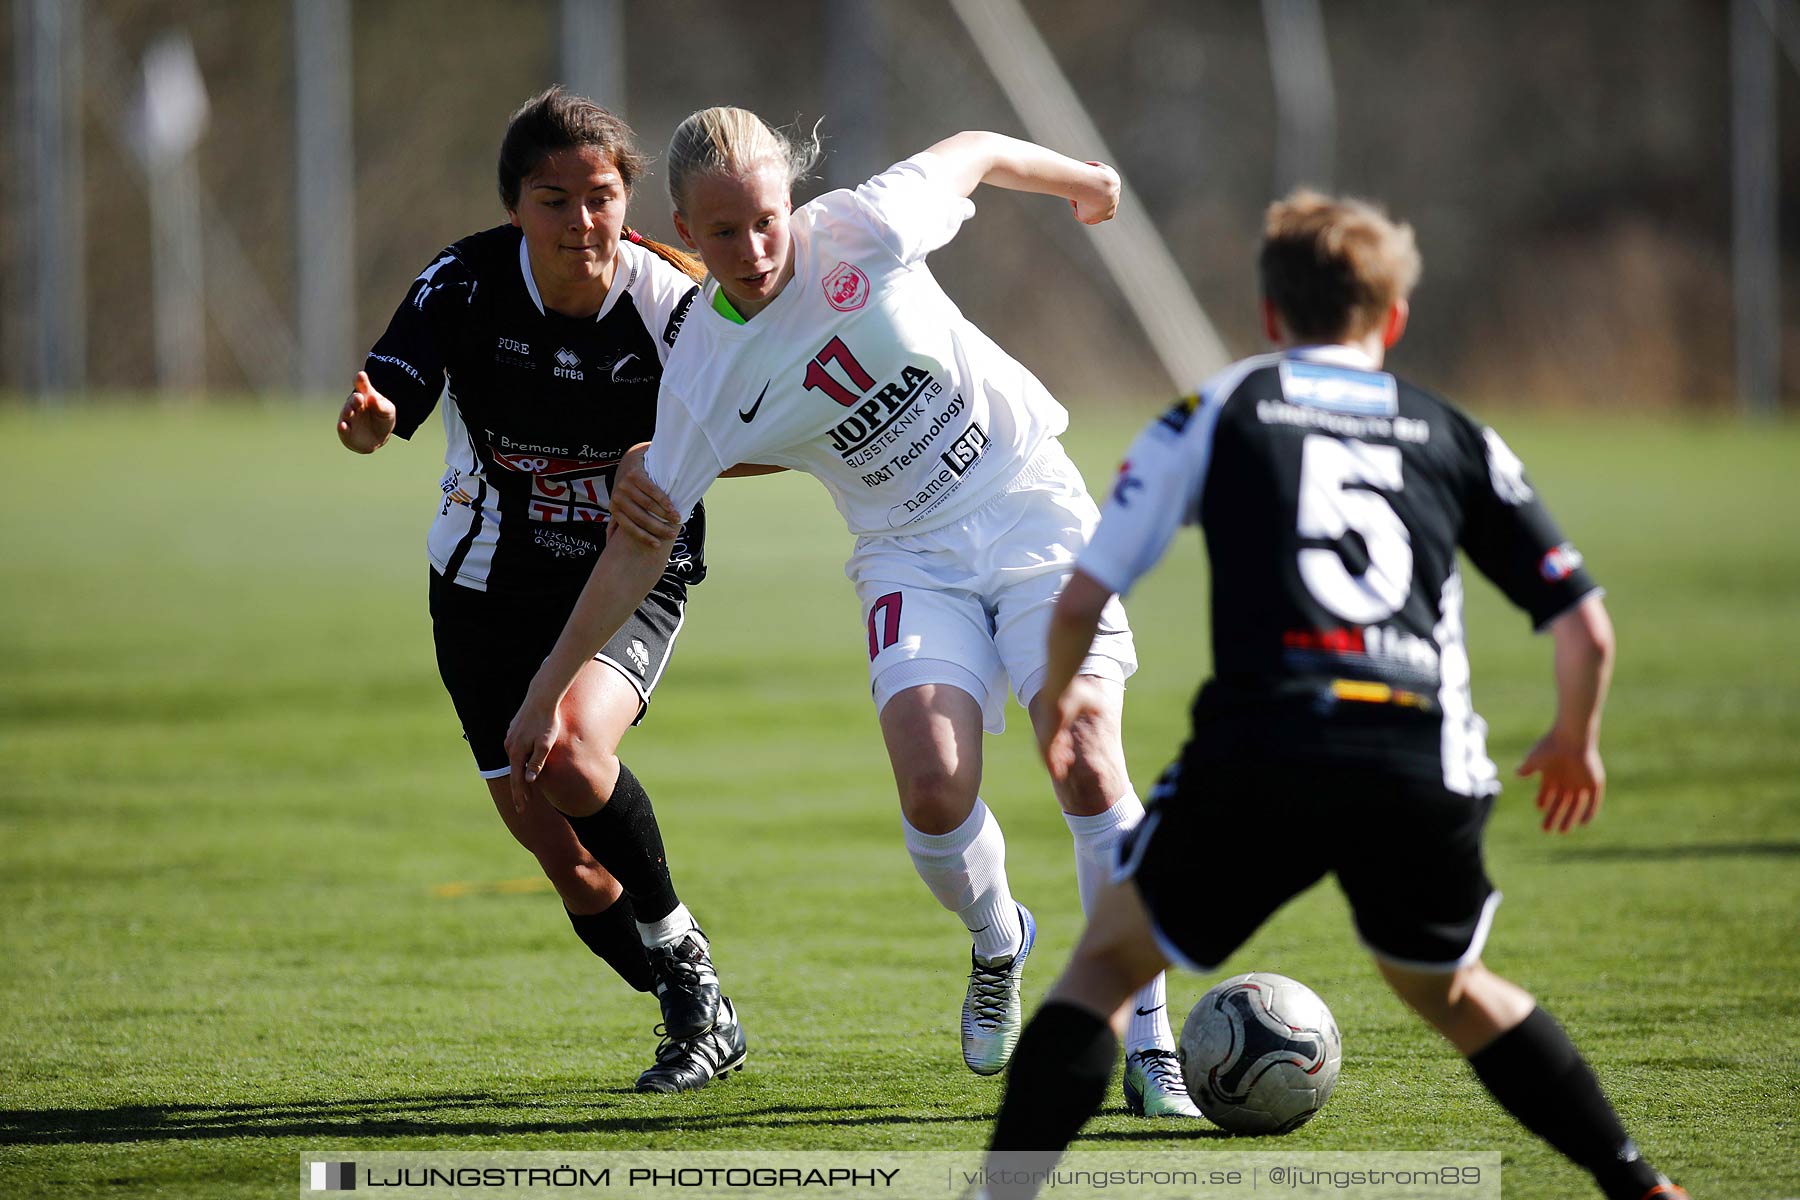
(408, 362)
(1511, 537)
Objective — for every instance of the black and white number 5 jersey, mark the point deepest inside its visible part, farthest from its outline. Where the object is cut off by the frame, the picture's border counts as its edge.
(1333, 497)
(541, 407)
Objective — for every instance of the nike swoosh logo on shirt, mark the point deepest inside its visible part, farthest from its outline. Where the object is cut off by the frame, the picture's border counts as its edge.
(748, 415)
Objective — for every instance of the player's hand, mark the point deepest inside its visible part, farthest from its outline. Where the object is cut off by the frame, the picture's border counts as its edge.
(640, 509)
(367, 419)
(1099, 200)
(1571, 781)
(535, 730)
(1056, 736)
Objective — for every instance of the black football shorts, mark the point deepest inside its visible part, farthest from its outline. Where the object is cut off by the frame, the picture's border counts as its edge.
(490, 645)
(1226, 843)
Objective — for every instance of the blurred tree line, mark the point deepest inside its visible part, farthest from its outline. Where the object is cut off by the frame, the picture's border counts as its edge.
(1566, 167)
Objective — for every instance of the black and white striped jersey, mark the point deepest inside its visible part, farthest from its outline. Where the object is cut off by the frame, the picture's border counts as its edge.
(1333, 497)
(542, 407)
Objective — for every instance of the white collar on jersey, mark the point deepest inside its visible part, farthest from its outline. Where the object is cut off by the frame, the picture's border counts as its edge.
(1337, 355)
(622, 270)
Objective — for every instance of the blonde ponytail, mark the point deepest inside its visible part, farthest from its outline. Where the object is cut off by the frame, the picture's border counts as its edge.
(731, 141)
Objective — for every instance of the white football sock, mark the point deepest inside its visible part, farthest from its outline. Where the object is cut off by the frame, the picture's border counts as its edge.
(670, 929)
(966, 870)
(1097, 840)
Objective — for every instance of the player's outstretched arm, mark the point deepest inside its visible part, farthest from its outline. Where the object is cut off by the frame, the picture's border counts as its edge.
(367, 420)
(624, 574)
(1073, 624)
(997, 160)
(1571, 777)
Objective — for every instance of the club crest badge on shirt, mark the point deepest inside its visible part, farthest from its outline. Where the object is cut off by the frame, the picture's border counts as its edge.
(846, 288)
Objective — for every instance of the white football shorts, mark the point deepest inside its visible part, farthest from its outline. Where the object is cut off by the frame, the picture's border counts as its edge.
(968, 604)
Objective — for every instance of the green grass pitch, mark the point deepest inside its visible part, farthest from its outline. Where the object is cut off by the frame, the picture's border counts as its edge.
(255, 898)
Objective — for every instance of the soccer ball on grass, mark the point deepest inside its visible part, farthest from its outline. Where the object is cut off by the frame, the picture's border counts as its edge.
(1260, 1053)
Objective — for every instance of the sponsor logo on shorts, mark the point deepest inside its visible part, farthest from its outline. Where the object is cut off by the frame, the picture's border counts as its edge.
(846, 288)
(639, 656)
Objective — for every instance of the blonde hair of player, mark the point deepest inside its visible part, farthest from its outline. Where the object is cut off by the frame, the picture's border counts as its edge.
(734, 141)
(1336, 269)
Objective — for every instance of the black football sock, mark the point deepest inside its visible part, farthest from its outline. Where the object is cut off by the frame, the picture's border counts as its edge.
(624, 838)
(1538, 1076)
(612, 934)
(1058, 1078)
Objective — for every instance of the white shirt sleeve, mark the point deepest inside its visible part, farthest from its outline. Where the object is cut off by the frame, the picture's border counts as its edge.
(663, 298)
(682, 459)
(1157, 492)
(915, 211)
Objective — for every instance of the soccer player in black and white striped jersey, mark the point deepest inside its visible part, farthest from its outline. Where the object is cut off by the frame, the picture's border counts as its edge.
(550, 333)
(1333, 497)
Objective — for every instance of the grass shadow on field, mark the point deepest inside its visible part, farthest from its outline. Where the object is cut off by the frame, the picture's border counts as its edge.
(1678, 852)
(413, 1117)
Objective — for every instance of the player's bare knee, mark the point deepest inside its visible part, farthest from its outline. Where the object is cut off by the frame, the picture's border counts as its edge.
(578, 779)
(934, 798)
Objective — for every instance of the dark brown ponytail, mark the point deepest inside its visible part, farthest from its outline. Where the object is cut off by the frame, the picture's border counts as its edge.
(681, 260)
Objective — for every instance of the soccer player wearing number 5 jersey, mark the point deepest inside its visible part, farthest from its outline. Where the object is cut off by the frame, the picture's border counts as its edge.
(1333, 497)
(824, 344)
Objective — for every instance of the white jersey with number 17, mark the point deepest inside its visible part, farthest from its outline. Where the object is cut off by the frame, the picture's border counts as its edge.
(861, 372)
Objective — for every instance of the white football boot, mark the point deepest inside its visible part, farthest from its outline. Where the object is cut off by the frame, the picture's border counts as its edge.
(1154, 1086)
(993, 1014)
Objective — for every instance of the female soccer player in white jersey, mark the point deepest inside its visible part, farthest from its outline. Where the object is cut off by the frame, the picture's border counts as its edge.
(823, 344)
(551, 333)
